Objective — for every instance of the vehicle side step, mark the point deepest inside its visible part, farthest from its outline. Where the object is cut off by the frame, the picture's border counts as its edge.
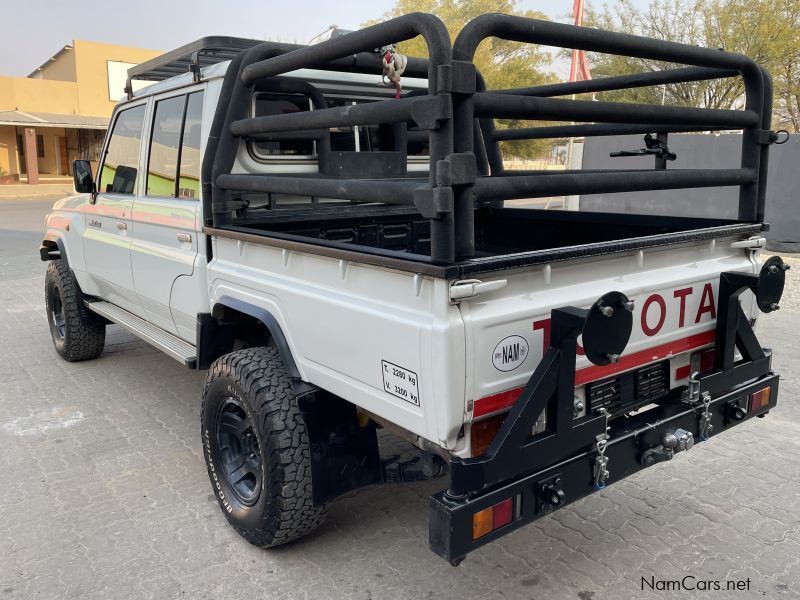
(172, 345)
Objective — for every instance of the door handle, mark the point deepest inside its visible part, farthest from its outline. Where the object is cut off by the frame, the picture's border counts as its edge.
(184, 237)
(122, 226)
(95, 223)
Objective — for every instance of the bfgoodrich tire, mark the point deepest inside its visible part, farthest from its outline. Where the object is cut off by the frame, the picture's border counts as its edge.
(257, 449)
(77, 334)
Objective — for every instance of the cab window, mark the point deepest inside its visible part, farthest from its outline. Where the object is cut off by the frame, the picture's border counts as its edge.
(364, 138)
(189, 174)
(268, 104)
(173, 169)
(121, 163)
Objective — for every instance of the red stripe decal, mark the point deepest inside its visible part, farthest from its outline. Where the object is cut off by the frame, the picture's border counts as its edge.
(637, 359)
(496, 402)
(506, 399)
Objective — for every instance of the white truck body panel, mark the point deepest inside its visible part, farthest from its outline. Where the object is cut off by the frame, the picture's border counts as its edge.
(649, 278)
(342, 319)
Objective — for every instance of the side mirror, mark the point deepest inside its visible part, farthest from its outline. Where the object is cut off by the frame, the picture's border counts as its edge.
(82, 176)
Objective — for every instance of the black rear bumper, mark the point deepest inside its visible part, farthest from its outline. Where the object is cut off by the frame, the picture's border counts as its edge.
(528, 476)
(450, 520)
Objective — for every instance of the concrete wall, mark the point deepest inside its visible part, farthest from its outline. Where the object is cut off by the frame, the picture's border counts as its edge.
(701, 151)
(91, 69)
(73, 82)
(38, 95)
(48, 164)
(9, 164)
(59, 68)
(85, 94)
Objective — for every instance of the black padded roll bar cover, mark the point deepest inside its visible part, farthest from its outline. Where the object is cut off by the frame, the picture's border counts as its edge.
(523, 29)
(490, 104)
(398, 29)
(635, 80)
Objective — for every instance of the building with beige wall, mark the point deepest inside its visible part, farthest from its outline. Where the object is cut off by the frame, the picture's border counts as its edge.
(61, 110)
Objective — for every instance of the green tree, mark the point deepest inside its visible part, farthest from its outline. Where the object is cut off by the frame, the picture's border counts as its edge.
(503, 64)
(766, 30)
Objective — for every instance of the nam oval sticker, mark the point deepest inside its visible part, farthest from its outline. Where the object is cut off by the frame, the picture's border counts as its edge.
(510, 353)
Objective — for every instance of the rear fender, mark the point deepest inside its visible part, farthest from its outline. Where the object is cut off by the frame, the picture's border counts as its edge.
(268, 320)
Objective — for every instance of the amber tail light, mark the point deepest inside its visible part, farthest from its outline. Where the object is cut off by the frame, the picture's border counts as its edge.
(759, 399)
(483, 432)
(487, 520)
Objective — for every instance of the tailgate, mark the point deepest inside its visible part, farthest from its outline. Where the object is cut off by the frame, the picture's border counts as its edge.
(674, 290)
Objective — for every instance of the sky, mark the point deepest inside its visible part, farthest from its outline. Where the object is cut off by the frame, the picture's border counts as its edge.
(34, 30)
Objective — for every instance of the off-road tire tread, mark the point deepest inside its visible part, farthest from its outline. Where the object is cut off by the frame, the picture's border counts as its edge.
(290, 512)
(84, 337)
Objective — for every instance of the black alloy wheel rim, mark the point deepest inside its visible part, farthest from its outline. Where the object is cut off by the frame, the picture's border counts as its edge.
(57, 310)
(239, 451)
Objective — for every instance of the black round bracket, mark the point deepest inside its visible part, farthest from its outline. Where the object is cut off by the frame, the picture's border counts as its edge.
(771, 281)
(608, 328)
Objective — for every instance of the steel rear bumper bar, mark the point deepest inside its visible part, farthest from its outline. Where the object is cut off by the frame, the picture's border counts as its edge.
(451, 520)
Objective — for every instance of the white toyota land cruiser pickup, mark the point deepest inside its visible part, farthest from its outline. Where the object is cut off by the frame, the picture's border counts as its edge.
(341, 257)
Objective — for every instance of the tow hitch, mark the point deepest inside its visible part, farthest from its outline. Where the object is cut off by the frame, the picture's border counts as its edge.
(672, 442)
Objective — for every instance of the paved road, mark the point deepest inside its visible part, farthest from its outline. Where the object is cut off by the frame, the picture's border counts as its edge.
(103, 493)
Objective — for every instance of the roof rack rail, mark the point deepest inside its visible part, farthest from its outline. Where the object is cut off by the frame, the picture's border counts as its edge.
(192, 57)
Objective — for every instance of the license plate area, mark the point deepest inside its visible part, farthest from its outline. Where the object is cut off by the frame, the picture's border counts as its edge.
(628, 391)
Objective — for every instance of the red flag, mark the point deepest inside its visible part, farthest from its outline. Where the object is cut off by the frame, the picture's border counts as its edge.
(579, 68)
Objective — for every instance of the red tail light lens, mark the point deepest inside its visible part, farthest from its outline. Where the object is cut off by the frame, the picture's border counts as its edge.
(502, 513)
(496, 516)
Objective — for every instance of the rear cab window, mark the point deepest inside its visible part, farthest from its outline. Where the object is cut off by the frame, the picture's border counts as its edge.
(343, 139)
(268, 104)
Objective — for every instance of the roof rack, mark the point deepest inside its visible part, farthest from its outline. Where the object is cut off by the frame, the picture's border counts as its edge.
(192, 58)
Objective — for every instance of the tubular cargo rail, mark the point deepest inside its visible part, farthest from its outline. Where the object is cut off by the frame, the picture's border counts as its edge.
(457, 115)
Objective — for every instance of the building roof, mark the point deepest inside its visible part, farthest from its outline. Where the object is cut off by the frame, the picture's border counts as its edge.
(40, 119)
(53, 58)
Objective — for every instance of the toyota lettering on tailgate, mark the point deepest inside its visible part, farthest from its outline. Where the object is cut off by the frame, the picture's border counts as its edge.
(681, 308)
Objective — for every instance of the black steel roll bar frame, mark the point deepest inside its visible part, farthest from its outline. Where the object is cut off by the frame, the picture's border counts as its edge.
(457, 114)
(430, 112)
(536, 103)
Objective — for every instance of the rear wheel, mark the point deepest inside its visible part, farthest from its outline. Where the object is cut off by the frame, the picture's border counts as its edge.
(257, 449)
(77, 334)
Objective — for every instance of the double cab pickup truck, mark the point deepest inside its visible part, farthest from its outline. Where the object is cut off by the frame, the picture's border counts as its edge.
(343, 256)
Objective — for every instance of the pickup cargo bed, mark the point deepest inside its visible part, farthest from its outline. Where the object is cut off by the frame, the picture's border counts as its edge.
(504, 237)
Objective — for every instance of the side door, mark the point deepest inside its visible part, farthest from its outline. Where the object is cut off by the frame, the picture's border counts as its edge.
(107, 235)
(165, 217)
